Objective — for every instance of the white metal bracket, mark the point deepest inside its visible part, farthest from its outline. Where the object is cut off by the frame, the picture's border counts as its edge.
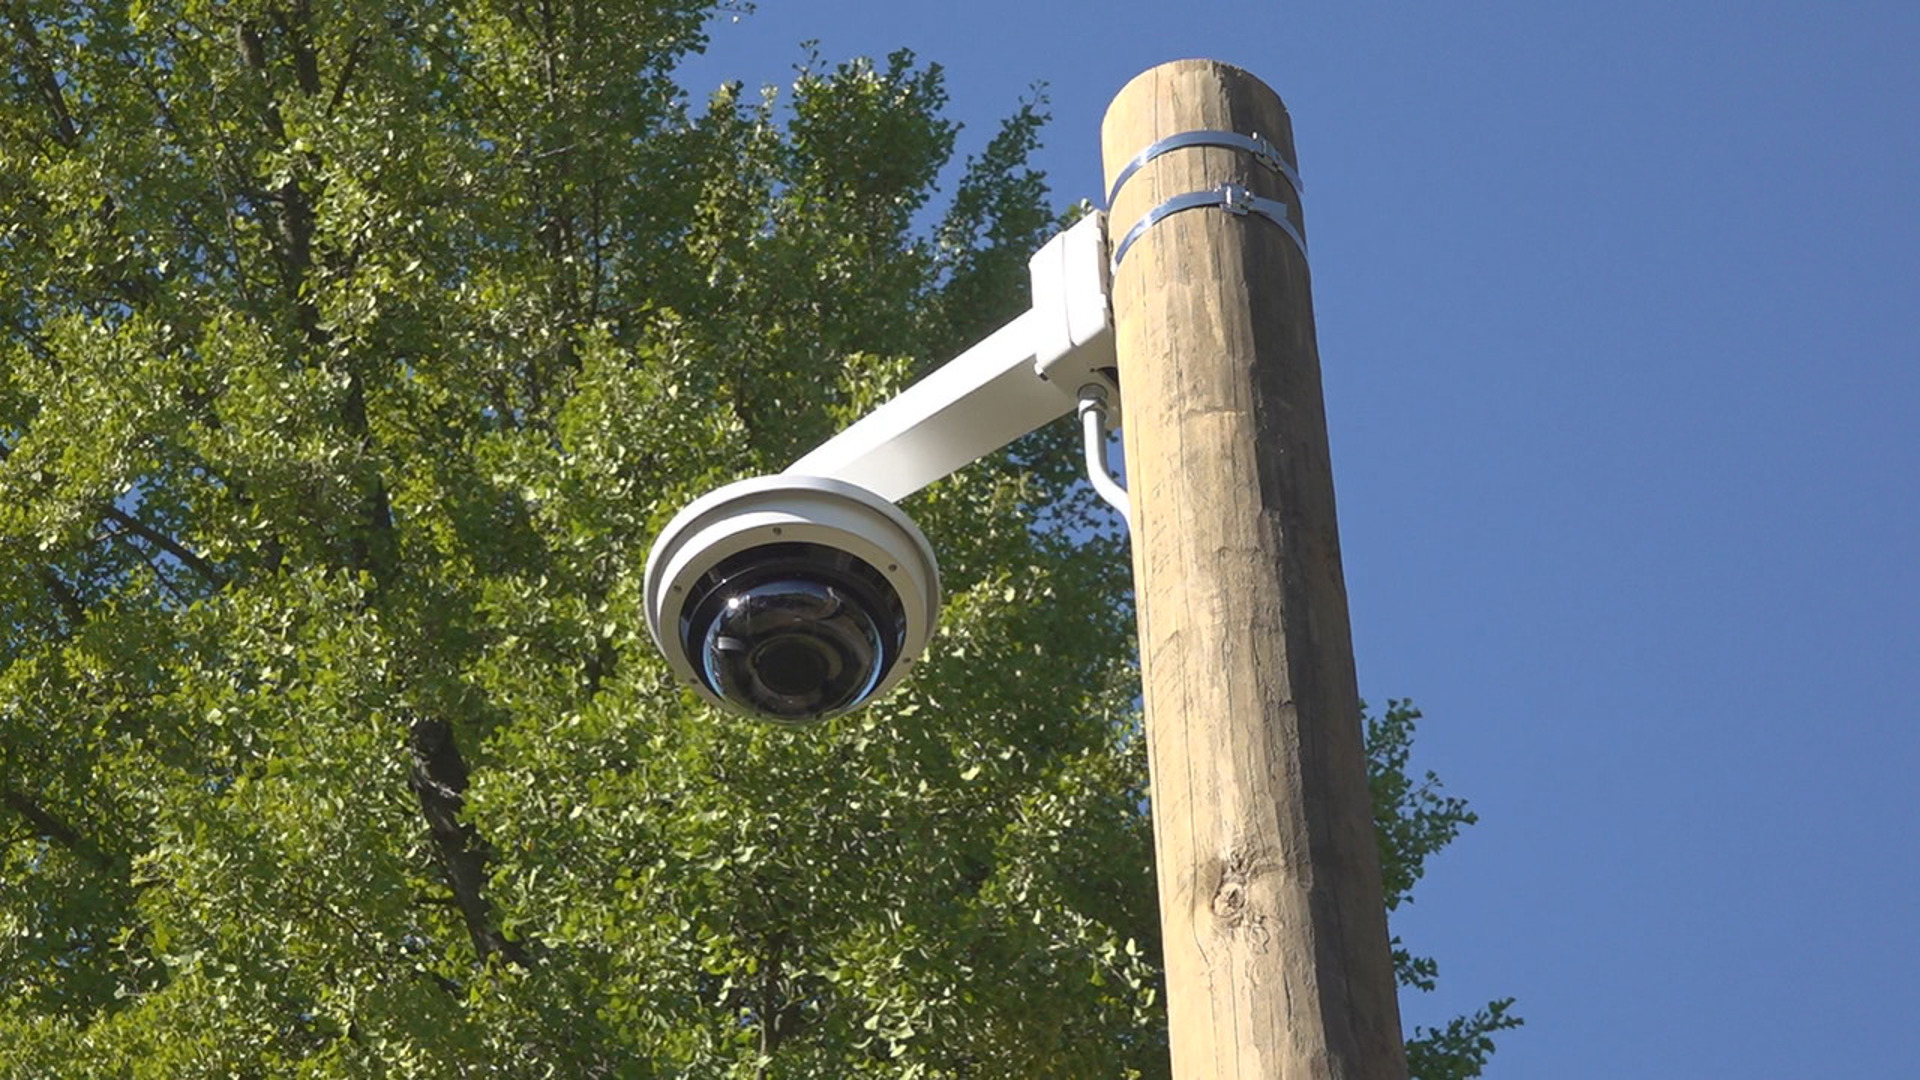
(1073, 281)
(1019, 377)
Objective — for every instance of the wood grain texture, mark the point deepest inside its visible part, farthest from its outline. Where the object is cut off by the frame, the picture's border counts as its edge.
(1272, 919)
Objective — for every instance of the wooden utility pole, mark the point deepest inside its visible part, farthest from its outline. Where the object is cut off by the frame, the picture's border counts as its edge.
(1271, 916)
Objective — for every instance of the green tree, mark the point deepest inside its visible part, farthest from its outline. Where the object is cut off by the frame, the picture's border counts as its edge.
(1412, 820)
(353, 354)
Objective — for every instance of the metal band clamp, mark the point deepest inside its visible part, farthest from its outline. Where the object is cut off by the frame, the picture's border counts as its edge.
(1263, 152)
(1233, 198)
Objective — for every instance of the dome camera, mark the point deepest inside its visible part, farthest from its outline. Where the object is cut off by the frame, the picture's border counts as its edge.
(791, 598)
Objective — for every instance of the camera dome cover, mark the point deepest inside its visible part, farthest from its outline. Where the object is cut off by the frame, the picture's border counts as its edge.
(788, 548)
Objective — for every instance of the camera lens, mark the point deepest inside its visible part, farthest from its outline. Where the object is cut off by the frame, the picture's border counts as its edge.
(793, 632)
(793, 648)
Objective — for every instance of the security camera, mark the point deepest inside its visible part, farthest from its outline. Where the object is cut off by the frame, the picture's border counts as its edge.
(806, 594)
(791, 597)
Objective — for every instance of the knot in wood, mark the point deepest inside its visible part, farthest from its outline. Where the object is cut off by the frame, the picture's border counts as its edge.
(1230, 902)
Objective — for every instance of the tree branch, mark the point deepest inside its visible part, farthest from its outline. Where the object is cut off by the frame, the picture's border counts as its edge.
(439, 780)
(33, 58)
(159, 573)
(340, 85)
(296, 219)
(253, 56)
(35, 344)
(168, 544)
(48, 824)
(63, 594)
(293, 26)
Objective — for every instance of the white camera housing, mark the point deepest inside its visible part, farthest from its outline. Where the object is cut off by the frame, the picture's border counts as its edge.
(788, 528)
(798, 596)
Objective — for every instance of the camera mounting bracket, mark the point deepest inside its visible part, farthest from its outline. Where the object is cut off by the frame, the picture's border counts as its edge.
(1016, 379)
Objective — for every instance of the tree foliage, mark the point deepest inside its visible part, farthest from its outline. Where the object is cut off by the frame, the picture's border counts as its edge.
(353, 354)
(1412, 820)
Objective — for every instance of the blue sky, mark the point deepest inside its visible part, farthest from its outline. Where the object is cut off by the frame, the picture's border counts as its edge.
(1619, 312)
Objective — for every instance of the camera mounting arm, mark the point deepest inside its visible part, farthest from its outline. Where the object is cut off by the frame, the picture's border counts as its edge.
(1019, 377)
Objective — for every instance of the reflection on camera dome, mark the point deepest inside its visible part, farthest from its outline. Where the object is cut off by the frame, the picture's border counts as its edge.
(794, 648)
(794, 632)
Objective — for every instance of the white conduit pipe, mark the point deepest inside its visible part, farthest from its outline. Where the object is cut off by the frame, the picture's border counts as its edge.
(1093, 435)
